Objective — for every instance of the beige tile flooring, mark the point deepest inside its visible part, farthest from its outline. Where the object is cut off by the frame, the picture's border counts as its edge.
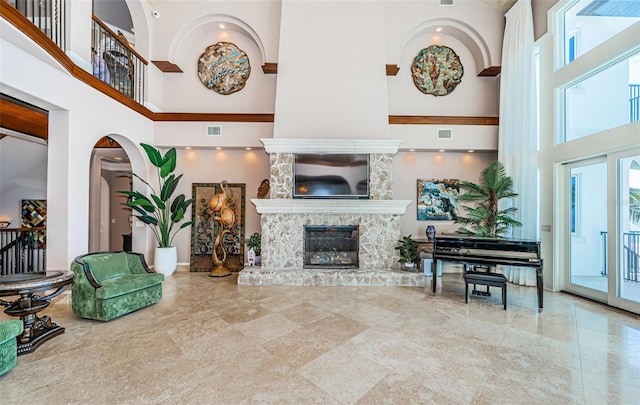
(210, 341)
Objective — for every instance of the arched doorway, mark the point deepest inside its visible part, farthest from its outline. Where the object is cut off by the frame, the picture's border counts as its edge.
(109, 222)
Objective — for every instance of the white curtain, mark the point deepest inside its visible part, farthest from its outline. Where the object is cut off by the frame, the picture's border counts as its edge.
(517, 144)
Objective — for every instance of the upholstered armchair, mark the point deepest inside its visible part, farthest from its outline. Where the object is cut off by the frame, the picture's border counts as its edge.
(111, 284)
(9, 330)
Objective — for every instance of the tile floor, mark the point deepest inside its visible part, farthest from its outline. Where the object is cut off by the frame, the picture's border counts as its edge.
(210, 341)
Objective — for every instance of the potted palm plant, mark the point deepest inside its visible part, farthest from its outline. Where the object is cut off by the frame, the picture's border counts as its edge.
(160, 211)
(485, 218)
(408, 249)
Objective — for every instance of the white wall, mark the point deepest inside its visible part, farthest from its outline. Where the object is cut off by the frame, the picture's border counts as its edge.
(331, 71)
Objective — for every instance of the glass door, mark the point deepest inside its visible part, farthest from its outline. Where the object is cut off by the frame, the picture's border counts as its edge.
(602, 229)
(626, 284)
(586, 228)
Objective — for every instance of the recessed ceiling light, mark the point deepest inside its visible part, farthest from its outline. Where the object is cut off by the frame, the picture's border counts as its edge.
(248, 148)
(187, 147)
(441, 150)
(221, 26)
(471, 151)
(438, 29)
(412, 150)
(218, 147)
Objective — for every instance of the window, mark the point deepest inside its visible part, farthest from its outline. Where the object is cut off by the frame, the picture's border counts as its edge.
(605, 100)
(595, 21)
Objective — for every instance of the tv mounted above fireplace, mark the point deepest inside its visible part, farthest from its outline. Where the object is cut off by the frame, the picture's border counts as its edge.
(331, 175)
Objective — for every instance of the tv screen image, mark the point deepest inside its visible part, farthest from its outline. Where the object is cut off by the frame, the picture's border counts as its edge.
(329, 175)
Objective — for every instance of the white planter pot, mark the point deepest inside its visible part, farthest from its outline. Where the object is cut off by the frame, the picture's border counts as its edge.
(165, 260)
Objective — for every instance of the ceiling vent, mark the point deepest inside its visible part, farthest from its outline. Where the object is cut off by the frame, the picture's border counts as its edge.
(445, 134)
(446, 2)
(214, 130)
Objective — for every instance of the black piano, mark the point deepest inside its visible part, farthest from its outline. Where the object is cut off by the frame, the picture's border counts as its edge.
(489, 252)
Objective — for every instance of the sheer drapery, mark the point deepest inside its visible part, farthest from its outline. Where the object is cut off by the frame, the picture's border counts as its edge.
(517, 143)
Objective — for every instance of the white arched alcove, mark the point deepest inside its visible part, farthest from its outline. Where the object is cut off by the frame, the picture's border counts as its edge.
(231, 23)
(458, 30)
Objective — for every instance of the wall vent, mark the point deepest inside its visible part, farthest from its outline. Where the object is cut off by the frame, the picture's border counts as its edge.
(214, 130)
(446, 2)
(445, 134)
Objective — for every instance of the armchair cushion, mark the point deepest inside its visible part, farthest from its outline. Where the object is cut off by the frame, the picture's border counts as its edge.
(117, 286)
(9, 330)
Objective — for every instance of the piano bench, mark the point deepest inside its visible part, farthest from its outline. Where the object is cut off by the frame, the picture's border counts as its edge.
(487, 279)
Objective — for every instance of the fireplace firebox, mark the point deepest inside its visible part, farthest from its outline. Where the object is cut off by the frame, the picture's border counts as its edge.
(327, 247)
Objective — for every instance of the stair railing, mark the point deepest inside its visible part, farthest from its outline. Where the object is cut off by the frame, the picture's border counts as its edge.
(23, 250)
(48, 15)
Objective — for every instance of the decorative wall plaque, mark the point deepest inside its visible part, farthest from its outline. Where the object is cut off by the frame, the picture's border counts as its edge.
(224, 68)
(436, 70)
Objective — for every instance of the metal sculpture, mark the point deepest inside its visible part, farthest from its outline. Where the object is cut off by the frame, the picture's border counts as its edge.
(224, 215)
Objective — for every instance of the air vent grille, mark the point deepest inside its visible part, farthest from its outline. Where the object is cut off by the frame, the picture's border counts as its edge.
(214, 130)
(445, 134)
(446, 2)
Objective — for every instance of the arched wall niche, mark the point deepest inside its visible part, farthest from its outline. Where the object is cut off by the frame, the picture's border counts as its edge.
(231, 23)
(457, 29)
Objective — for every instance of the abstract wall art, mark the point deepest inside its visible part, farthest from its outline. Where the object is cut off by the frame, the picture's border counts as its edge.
(34, 215)
(437, 199)
(437, 70)
(224, 68)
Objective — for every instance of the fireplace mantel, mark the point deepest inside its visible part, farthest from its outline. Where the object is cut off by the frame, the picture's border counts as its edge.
(328, 206)
(312, 145)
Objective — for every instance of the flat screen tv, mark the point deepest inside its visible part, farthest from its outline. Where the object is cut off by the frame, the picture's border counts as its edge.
(331, 175)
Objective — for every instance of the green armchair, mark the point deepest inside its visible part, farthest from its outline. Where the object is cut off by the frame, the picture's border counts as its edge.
(111, 284)
(9, 331)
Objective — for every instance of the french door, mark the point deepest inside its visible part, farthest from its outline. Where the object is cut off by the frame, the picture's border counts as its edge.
(601, 226)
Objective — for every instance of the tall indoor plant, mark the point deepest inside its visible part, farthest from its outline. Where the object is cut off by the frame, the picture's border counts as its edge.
(485, 218)
(160, 211)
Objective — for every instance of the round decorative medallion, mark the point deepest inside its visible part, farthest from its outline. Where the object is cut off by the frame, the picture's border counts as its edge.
(224, 68)
(436, 70)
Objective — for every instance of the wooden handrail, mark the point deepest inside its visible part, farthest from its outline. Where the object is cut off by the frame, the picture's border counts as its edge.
(125, 44)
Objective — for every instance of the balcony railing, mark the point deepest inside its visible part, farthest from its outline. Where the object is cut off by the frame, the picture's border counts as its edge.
(634, 102)
(116, 62)
(48, 15)
(630, 255)
(23, 250)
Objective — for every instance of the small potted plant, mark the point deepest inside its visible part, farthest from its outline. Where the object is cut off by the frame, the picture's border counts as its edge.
(255, 242)
(408, 249)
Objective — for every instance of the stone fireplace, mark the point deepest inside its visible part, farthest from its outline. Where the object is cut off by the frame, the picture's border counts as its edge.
(284, 220)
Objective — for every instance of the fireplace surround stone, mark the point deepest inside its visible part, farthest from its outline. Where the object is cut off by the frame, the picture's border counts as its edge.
(283, 220)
